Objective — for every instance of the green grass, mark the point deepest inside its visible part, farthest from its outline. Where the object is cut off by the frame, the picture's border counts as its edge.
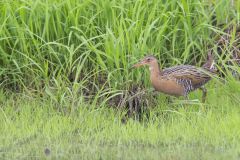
(43, 43)
(171, 131)
(62, 62)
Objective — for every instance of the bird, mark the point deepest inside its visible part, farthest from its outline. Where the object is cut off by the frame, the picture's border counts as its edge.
(179, 80)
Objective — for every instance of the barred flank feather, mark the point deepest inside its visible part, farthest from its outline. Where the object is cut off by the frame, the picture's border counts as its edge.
(190, 77)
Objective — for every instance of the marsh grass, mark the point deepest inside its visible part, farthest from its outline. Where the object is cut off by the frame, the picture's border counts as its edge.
(63, 62)
(172, 131)
(43, 43)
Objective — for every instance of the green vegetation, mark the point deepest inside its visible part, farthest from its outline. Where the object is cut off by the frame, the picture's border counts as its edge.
(65, 67)
(171, 131)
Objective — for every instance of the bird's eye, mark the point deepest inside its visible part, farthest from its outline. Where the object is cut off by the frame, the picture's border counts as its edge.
(148, 59)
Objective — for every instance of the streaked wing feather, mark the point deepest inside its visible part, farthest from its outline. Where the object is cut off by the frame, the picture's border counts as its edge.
(187, 72)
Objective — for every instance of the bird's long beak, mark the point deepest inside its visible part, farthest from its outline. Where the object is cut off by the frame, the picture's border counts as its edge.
(139, 64)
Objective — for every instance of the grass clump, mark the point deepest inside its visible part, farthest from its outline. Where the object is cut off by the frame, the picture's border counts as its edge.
(64, 63)
(47, 44)
(31, 125)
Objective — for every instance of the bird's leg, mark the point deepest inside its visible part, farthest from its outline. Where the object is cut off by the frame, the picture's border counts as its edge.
(204, 95)
(169, 99)
(186, 97)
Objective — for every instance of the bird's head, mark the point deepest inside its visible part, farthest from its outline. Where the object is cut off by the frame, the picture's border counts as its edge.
(148, 60)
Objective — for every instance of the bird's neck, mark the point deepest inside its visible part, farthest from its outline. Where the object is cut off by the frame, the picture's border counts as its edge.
(155, 70)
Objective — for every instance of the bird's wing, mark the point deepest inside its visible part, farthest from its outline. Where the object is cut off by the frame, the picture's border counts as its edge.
(183, 73)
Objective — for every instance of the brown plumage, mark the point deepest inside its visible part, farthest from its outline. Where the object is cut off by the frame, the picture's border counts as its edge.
(179, 80)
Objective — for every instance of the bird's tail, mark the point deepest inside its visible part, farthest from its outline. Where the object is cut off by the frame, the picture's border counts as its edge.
(210, 64)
